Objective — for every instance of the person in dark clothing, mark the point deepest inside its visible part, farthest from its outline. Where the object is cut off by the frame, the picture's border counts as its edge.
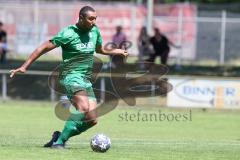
(161, 46)
(3, 44)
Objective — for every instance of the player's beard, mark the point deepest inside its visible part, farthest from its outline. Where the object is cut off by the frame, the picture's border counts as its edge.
(85, 27)
(89, 27)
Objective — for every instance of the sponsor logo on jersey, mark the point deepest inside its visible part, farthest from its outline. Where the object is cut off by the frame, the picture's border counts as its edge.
(90, 34)
(88, 45)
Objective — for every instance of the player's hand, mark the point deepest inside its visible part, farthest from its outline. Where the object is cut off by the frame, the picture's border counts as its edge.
(18, 70)
(124, 53)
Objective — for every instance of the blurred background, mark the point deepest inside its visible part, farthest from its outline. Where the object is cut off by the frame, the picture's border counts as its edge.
(203, 69)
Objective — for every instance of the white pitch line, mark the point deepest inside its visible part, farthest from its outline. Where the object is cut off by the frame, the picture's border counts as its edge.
(129, 142)
(126, 142)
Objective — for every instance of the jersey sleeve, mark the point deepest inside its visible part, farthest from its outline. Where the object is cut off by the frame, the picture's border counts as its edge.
(62, 37)
(99, 39)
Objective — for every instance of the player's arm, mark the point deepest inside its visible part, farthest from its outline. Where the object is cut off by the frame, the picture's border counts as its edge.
(101, 50)
(42, 49)
(174, 45)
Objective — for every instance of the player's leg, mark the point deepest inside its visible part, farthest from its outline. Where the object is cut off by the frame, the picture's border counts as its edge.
(83, 119)
(90, 118)
(79, 98)
(80, 101)
(150, 61)
(75, 122)
(2, 55)
(92, 115)
(152, 58)
(164, 57)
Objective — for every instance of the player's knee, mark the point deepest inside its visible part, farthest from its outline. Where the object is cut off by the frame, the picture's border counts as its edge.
(82, 107)
(85, 106)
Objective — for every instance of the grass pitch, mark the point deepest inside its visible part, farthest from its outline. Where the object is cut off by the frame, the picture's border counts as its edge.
(26, 126)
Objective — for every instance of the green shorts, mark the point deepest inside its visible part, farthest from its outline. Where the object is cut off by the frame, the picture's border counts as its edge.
(73, 83)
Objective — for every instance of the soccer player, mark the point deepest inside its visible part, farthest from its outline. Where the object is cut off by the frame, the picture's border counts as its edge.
(78, 43)
(3, 44)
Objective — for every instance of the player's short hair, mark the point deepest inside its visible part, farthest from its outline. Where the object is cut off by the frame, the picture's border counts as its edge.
(84, 10)
(1, 24)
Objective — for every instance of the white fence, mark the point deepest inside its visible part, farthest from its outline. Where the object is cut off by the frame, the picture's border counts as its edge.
(5, 75)
(188, 91)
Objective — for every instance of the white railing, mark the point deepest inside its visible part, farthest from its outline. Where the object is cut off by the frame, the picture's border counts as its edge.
(5, 73)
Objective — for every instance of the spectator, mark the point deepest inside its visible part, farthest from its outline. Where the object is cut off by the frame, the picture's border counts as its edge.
(143, 43)
(3, 44)
(118, 38)
(161, 47)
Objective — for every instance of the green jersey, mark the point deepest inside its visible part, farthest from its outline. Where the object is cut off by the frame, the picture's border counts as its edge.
(77, 49)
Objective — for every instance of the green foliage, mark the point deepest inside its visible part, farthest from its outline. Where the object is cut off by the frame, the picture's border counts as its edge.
(223, 1)
(215, 1)
(202, 1)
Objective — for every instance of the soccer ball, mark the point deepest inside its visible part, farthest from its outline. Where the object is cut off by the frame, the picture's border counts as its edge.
(100, 143)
